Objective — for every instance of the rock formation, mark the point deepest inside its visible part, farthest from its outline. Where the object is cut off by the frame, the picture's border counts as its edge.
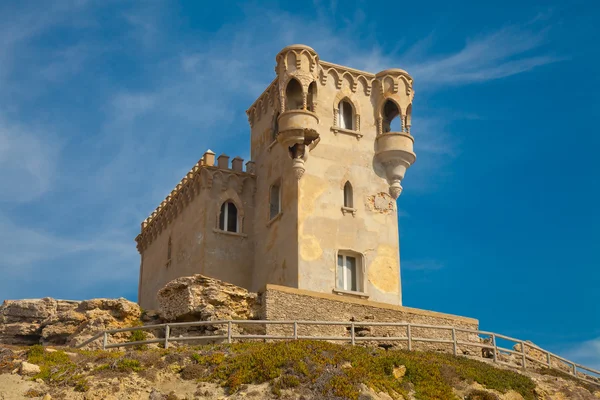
(60, 322)
(199, 298)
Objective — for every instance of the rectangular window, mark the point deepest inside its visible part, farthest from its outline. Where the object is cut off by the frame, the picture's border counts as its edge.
(275, 201)
(348, 273)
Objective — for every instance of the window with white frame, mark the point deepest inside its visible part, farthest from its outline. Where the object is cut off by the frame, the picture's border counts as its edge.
(345, 114)
(275, 200)
(228, 218)
(349, 272)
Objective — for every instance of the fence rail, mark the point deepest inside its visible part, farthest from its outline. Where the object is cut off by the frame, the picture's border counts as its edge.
(577, 370)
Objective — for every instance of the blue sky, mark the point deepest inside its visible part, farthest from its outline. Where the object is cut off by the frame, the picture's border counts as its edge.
(105, 105)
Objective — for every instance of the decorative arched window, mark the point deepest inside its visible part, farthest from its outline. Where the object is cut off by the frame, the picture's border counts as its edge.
(392, 121)
(345, 115)
(311, 100)
(293, 95)
(348, 196)
(228, 218)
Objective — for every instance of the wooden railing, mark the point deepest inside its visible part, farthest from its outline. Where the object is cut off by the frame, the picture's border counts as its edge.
(577, 370)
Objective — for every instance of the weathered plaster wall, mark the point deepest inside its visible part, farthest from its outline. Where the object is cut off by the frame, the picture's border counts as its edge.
(276, 241)
(284, 303)
(323, 228)
(197, 245)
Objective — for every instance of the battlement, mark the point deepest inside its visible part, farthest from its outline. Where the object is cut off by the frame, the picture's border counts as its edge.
(200, 176)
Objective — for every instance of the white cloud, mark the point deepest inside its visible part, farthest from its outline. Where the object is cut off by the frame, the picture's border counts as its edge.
(27, 163)
(497, 55)
(586, 353)
(422, 265)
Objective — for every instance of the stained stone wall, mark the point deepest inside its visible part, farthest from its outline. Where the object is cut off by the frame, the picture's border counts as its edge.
(284, 303)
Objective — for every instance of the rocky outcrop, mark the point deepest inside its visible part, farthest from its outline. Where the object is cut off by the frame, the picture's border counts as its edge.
(59, 322)
(199, 298)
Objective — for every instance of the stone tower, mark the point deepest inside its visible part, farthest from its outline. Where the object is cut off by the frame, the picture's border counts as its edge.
(315, 209)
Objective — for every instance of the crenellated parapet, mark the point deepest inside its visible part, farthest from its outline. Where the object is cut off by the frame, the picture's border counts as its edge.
(268, 99)
(203, 175)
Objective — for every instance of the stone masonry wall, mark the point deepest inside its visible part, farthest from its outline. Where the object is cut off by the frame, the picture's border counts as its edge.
(283, 303)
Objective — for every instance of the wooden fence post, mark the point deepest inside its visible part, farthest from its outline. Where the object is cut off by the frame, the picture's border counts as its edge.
(454, 341)
(523, 354)
(352, 333)
(228, 331)
(167, 334)
(295, 330)
(495, 348)
(408, 333)
(105, 341)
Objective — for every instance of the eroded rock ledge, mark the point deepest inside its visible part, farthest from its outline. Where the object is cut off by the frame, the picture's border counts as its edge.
(62, 322)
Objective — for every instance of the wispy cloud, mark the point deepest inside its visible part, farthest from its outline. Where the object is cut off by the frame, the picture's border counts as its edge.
(28, 162)
(496, 55)
(586, 353)
(422, 265)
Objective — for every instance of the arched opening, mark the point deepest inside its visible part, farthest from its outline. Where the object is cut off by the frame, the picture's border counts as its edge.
(348, 196)
(228, 218)
(345, 115)
(311, 100)
(275, 126)
(293, 95)
(392, 122)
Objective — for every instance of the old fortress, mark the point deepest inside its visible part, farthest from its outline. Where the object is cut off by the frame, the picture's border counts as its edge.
(314, 209)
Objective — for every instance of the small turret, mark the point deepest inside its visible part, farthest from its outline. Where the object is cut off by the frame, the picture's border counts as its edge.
(298, 72)
(394, 144)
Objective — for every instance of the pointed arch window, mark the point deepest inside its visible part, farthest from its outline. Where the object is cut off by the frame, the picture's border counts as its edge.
(345, 115)
(348, 195)
(392, 120)
(311, 100)
(228, 218)
(294, 95)
(348, 207)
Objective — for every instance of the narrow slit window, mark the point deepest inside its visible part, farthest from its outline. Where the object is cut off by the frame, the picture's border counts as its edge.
(169, 249)
(348, 196)
(228, 219)
(345, 114)
(275, 201)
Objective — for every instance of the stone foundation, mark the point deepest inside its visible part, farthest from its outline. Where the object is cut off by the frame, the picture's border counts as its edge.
(284, 303)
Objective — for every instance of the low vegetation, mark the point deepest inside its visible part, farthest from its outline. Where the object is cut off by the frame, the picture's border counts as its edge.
(330, 370)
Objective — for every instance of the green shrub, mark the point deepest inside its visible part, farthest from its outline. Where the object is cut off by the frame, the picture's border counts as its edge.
(481, 395)
(128, 364)
(56, 368)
